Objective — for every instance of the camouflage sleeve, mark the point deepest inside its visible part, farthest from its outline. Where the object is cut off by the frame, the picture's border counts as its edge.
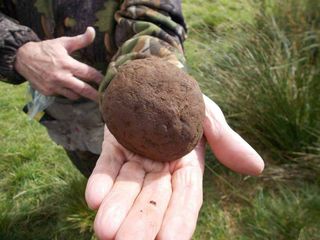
(148, 28)
(12, 36)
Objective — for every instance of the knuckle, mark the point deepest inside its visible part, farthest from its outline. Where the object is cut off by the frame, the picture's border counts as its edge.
(85, 91)
(65, 63)
(58, 77)
(60, 62)
(82, 89)
(90, 71)
(55, 76)
(84, 70)
(75, 70)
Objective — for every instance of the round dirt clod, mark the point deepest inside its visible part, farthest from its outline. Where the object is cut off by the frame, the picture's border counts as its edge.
(154, 109)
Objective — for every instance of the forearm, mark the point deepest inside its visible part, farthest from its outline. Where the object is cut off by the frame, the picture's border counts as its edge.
(12, 37)
(148, 28)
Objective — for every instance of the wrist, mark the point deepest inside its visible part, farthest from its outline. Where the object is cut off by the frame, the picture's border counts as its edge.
(23, 52)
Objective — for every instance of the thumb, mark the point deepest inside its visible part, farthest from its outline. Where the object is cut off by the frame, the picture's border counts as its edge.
(229, 148)
(72, 44)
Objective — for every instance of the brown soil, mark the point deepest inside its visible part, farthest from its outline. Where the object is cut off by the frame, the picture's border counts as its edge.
(154, 109)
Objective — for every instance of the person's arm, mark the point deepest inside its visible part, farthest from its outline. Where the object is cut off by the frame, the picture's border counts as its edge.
(135, 197)
(148, 28)
(12, 37)
(46, 64)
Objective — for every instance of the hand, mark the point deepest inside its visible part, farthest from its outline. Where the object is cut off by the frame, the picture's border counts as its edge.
(138, 198)
(50, 69)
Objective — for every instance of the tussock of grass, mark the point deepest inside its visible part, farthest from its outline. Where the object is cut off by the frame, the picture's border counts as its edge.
(241, 208)
(266, 77)
(288, 214)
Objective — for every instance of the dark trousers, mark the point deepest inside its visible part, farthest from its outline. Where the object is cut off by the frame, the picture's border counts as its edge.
(85, 161)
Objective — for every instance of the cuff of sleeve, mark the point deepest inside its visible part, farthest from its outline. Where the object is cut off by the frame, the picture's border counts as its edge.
(12, 38)
(135, 49)
(143, 47)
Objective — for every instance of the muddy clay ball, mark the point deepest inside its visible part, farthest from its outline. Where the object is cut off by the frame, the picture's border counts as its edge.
(154, 109)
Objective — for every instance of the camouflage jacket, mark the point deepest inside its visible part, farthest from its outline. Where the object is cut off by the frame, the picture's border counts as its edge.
(126, 30)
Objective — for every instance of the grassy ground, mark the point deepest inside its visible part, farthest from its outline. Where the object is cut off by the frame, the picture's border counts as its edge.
(260, 62)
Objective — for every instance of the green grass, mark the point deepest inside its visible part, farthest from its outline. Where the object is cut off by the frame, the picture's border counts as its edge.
(267, 73)
(38, 183)
(287, 214)
(217, 14)
(260, 61)
(247, 208)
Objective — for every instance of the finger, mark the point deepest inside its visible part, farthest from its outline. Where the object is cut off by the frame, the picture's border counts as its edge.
(118, 202)
(72, 44)
(85, 72)
(103, 176)
(230, 149)
(181, 216)
(68, 94)
(145, 217)
(81, 88)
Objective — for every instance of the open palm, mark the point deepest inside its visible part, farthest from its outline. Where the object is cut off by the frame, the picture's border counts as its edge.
(138, 198)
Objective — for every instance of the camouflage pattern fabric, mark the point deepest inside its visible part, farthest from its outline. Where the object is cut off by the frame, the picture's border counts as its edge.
(157, 23)
(138, 34)
(85, 161)
(51, 19)
(125, 30)
(12, 36)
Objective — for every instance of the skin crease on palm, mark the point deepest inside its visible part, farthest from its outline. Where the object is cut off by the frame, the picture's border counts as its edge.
(135, 197)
